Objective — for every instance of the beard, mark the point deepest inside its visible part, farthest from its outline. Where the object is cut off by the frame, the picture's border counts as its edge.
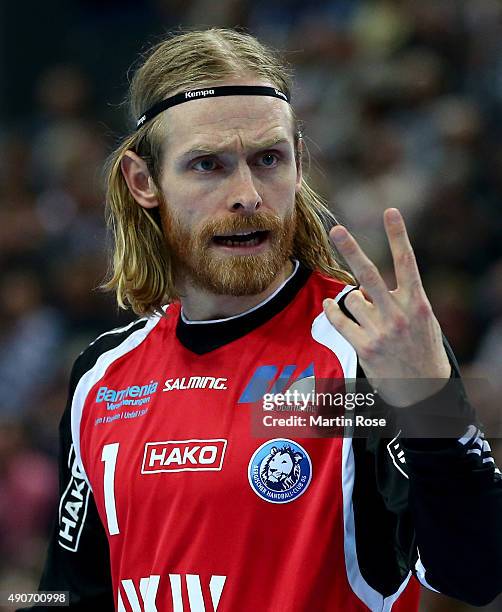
(196, 258)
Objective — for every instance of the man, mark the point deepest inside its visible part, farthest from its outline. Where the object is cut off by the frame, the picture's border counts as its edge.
(168, 501)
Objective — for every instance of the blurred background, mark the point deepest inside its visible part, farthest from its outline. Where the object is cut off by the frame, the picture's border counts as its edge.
(402, 106)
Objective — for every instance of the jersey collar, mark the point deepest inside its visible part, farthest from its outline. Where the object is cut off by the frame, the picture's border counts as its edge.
(203, 336)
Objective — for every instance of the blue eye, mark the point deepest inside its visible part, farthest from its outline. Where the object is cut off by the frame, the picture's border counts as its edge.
(205, 165)
(269, 159)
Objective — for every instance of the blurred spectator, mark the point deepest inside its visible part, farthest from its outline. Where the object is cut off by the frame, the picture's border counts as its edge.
(30, 343)
(28, 485)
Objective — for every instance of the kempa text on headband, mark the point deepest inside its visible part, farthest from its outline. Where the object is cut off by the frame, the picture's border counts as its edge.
(210, 92)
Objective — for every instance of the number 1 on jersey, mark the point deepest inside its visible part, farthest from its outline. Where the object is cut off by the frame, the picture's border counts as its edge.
(109, 457)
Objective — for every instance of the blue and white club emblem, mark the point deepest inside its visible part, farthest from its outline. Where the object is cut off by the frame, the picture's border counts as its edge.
(280, 471)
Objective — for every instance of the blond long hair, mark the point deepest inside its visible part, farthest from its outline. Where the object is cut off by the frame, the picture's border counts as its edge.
(141, 267)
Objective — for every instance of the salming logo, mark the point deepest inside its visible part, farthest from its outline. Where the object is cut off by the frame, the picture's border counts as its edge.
(195, 382)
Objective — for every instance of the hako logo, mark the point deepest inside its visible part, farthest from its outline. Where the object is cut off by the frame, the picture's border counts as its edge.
(280, 471)
(267, 379)
(184, 456)
(73, 506)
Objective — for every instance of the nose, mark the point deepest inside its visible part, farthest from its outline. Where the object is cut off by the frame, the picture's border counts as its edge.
(244, 197)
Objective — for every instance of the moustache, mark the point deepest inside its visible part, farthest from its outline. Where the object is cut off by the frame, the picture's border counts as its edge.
(259, 222)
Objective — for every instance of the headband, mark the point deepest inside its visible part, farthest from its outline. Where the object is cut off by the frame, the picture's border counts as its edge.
(213, 92)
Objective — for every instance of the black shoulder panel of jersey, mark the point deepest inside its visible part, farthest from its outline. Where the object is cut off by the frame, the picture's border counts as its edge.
(78, 558)
(107, 341)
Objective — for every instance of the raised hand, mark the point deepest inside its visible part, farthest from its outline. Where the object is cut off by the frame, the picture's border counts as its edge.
(397, 335)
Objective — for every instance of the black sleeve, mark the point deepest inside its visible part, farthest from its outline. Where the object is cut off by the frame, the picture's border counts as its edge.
(455, 499)
(437, 501)
(78, 556)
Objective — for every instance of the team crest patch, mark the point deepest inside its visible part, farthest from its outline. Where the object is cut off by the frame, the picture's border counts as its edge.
(280, 471)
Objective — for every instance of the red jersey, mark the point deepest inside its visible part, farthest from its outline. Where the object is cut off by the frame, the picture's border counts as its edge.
(165, 471)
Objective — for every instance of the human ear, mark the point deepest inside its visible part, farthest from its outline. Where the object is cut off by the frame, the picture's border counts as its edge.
(139, 181)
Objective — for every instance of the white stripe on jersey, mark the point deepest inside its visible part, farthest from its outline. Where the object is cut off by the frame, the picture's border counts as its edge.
(117, 330)
(91, 377)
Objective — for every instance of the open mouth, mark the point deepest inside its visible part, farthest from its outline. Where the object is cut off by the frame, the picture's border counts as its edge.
(242, 239)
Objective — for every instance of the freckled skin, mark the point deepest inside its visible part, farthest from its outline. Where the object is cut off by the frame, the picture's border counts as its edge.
(237, 124)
